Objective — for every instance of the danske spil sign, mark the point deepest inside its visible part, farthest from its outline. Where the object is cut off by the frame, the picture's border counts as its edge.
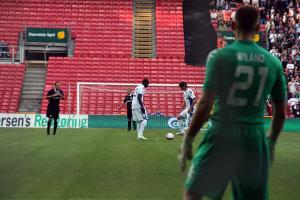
(53, 35)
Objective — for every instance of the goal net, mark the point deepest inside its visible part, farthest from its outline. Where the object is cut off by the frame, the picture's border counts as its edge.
(102, 101)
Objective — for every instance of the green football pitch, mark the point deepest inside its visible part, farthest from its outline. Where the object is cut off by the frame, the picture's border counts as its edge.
(111, 164)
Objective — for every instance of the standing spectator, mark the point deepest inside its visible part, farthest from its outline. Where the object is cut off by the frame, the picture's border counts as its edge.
(294, 51)
(269, 24)
(274, 51)
(263, 15)
(5, 50)
(213, 14)
(292, 86)
(297, 57)
(292, 102)
(297, 93)
(222, 26)
(284, 62)
(297, 73)
(1, 48)
(297, 28)
(272, 38)
(290, 66)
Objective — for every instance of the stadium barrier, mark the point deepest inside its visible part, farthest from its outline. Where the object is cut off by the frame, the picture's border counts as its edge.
(155, 121)
(11, 54)
(40, 121)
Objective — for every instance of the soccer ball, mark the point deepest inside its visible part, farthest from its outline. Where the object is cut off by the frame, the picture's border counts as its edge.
(170, 136)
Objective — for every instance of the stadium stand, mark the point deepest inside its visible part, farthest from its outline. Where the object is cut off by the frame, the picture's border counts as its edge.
(103, 52)
(103, 37)
(11, 79)
(282, 28)
(280, 22)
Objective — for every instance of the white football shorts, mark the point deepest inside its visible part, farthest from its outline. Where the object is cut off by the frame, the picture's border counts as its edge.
(138, 116)
(184, 113)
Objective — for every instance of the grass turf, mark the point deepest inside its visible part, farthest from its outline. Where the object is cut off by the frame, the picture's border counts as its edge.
(111, 164)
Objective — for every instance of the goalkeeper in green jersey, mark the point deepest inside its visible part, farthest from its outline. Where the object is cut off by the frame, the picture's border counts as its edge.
(235, 148)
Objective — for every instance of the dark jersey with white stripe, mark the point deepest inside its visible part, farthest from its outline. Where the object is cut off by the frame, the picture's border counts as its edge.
(54, 101)
(128, 100)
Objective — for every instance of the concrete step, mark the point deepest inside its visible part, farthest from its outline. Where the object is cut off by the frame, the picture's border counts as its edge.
(34, 75)
(34, 79)
(35, 72)
(27, 101)
(30, 96)
(33, 92)
(29, 106)
(36, 68)
(28, 110)
(34, 88)
(30, 84)
(31, 102)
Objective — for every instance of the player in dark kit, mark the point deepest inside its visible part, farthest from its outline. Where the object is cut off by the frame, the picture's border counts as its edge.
(54, 96)
(128, 101)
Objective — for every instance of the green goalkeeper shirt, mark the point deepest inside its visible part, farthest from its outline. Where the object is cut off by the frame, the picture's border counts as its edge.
(242, 75)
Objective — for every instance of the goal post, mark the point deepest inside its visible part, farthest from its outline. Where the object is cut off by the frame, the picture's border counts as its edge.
(101, 101)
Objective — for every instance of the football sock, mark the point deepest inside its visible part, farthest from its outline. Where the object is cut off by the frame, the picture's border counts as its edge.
(142, 127)
(48, 126)
(181, 125)
(129, 125)
(138, 129)
(134, 125)
(189, 119)
(55, 126)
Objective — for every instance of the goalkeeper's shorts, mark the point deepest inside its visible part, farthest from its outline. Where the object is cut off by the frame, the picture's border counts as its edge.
(236, 153)
(138, 116)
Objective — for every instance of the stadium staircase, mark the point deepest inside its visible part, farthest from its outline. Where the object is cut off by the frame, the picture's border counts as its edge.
(33, 86)
(144, 29)
(104, 45)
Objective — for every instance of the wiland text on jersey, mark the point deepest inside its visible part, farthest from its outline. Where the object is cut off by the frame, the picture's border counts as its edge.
(250, 57)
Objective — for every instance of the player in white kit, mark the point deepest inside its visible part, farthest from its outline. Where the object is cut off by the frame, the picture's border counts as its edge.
(139, 113)
(187, 108)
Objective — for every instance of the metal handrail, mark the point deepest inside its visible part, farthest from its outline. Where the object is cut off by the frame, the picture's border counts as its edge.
(10, 54)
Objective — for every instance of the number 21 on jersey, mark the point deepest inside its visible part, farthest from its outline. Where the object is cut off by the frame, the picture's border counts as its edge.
(245, 85)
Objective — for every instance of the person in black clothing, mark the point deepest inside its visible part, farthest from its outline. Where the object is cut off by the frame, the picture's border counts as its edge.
(1, 48)
(128, 101)
(54, 96)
